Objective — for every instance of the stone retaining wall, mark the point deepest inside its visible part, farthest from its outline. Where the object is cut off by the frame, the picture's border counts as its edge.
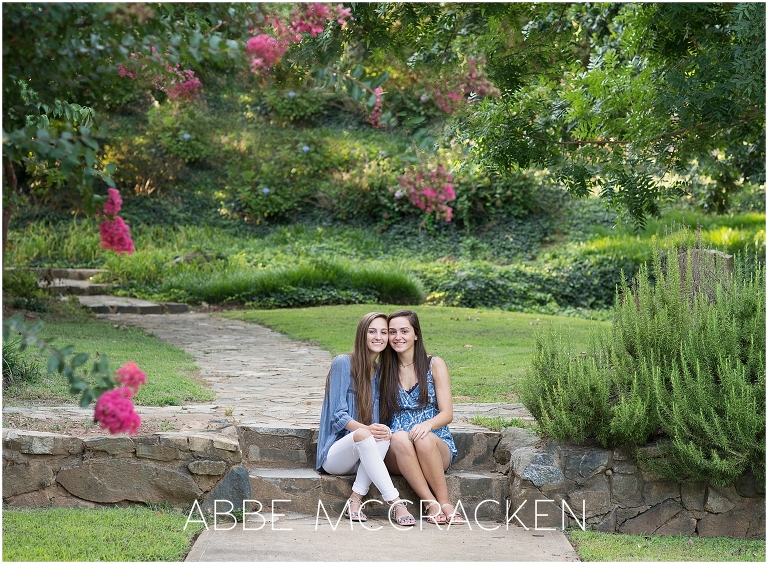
(44, 469)
(619, 496)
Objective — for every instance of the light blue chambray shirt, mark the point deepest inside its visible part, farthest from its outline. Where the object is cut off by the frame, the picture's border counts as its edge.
(339, 406)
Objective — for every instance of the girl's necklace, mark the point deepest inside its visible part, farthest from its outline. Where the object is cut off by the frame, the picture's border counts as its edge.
(406, 365)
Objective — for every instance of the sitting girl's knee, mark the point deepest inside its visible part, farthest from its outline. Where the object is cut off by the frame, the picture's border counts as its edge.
(427, 443)
(361, 434)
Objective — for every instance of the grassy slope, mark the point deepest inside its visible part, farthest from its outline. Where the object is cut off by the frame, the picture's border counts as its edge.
(170, 371)
(500, 343)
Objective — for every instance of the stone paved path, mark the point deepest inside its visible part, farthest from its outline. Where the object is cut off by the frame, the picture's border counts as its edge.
(259, 375)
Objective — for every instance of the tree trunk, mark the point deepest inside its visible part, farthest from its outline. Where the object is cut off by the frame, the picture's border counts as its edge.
(11, 186)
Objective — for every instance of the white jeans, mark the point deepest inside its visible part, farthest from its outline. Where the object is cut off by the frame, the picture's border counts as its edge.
(344, 456)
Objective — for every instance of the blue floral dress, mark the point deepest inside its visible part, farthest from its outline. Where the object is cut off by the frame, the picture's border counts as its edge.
(410, 413)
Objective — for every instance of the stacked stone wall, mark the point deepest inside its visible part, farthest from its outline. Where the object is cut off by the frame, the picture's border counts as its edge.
(545, 483)
(616, 495)
(45, 469)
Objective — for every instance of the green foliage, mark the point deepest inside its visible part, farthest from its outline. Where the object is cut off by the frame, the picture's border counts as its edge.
(497, 423)
(614, 97)
(138, 534)
(50, 135)
(593, 546)
(18, 368)
(317, 283)
(303, 106)
(686, 359)
(183, 130)
(60, 362)
(171, 380)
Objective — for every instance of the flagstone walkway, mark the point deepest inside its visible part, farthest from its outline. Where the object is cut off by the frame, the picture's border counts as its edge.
(259, 375)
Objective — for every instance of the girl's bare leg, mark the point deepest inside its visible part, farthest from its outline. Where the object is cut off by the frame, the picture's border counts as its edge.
(402, 459)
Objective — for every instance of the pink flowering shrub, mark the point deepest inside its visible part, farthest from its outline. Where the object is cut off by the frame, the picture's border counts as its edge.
(265, 51)
(114, 411)
(430, 192)
(267, 48)
(114, 202)
(116, 235)
(451, 95)
(188, 90)
(375, 114)
(177, 83)
(131, 376)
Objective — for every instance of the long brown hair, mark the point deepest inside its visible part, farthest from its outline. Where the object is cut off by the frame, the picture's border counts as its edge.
(389, 379)
(361, 367)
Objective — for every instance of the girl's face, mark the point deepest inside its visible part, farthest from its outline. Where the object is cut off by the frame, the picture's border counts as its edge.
(401, 334)
(376, 336)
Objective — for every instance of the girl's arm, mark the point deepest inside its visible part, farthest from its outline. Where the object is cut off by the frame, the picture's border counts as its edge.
(341, 412)
(444, 401)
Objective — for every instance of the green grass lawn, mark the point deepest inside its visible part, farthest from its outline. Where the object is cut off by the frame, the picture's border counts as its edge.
(170, 371)
(134, 534)
(608, 547)
(487, 351)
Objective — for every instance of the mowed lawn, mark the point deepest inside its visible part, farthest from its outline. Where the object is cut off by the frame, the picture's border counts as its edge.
(487, 351)
(171, 373)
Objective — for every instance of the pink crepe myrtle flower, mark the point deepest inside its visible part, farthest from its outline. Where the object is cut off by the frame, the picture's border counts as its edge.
(375, 116)
(131, 376)
(266, 51)
(116, 235)
(114, 202)
(115, 411)
(267, 48)
(429, 192)
(187, 90)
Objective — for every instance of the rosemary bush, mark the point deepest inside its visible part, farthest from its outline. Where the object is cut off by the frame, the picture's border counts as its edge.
(684, 365)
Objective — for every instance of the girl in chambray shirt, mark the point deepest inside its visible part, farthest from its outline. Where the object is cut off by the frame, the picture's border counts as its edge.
(351, 439)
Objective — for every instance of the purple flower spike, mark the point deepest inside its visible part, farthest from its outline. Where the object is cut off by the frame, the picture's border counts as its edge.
(398, 194)
(265, 191)
(305, 148)
(187, 137)
(291, 94)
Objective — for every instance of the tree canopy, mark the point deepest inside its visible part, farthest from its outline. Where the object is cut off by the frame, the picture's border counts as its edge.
(625, 99)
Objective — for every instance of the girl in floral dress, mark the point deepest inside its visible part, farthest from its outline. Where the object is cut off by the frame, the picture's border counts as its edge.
(351, 439)
(416, 403)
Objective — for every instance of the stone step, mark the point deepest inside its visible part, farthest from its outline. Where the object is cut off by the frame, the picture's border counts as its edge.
(301, 489)
(72, 287)
(46, 273)
(118, 304)
(296, 447)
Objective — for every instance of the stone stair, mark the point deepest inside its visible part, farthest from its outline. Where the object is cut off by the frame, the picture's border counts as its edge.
(281, 466)
(67, 282)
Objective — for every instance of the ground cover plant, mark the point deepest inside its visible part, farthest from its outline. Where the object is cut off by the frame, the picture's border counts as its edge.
(608, 547)
(136, 534)
(313, 264)
(170, 371)
(486, 350)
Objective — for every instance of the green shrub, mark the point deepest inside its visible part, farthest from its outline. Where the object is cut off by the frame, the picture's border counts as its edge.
(318, 283)
(18, 367)
(685, 364)
(303, 106)
(183, 129)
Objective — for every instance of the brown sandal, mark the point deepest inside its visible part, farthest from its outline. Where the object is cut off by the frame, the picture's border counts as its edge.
(438, 518)
(454, 518)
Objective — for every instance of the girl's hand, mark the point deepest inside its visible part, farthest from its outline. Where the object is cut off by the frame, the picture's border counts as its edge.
(419, 431)
(380, 432)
